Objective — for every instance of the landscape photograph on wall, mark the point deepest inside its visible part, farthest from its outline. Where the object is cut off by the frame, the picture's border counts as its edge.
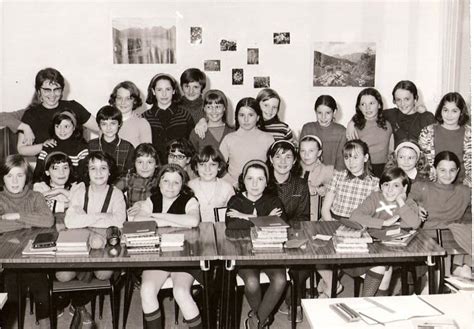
(344, 64)
(144, 40)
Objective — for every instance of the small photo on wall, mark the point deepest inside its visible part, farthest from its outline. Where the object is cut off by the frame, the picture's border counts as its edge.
(261, 82)
(212, 65)
(196, 35)
(237, 76)
(228, 45)
(252, 56)
(281, 38)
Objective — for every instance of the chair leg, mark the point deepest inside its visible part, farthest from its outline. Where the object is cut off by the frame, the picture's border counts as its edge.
(312, 283)
(127, 296)
(176, 313)
(32, 302)
(93, 302)
(114, 306)
(358, 281)
(101, 304)
(21, 301)
(334, 282)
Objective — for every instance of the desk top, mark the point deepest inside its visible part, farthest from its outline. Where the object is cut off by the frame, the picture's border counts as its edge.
(457, 306)
(323, 251)
(199, 245)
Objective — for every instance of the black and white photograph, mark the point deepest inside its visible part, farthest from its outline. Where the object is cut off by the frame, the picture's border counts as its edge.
(344, 64)
(144, 40)
(212, 65)
(261, 82)
(281, 38)
(264, 164)
(252, 56)
(196, 35)
(237, 77)
(228, 45)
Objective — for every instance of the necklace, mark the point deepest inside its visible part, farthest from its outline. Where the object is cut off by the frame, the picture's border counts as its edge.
(208, 197)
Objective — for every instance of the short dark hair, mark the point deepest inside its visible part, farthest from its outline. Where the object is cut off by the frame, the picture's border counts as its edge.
(109, 112)
(193, 75)
(66, 115)
(151, 98)
(53, 75)
(326, 100)
(171, 168)
(182, 145)
(145, 149)
(284, 146)
(456, 98)
(101, 156)
(252, 103)
(57, 158)
(134, 93)
(207, 153)
(15, 160)
(405, 85)
(271, 186)
(395, 173)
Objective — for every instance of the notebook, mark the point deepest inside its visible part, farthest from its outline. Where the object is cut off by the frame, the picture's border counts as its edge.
(138, 228)
(265, 222)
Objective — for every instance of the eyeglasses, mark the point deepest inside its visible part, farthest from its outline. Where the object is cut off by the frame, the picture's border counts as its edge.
(49, 91)
(179, 157)
(123, 99)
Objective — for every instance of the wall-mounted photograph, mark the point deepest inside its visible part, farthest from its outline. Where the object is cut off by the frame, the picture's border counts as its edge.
(212, 65)
(261, 82)
(196, 35)
(344, 64)
(237, 76)
(281, 38)
(228, 45)
(252, 56)
(144, 40)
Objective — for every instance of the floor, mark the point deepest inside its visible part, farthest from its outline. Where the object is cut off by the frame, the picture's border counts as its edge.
(135, 317)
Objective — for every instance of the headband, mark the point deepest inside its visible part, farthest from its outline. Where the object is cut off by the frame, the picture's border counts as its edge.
(411, 145)
(70, 115)
(316, 138)
(283, 141)
(255, 162)
(54, 153)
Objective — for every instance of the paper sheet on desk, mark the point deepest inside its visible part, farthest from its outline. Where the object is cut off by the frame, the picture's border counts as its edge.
(410, 307)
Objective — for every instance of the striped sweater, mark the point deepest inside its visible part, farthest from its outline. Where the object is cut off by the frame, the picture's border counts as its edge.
(278, 129)
(166, 125)
(76, 150)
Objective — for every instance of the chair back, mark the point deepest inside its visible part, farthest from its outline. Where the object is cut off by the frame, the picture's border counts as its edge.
(219, 214)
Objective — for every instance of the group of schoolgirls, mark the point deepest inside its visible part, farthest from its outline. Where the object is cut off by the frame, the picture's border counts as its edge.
(263, 173)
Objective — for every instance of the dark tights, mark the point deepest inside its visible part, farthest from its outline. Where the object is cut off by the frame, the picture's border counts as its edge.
(263, 307)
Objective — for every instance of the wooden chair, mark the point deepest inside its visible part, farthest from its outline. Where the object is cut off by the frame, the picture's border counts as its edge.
(100, 287)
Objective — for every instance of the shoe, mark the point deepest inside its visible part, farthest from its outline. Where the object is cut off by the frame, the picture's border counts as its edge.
(60, 312)
(327, 292)
(463, 272)
(299, 315)
(251, 322)
(284, 308)
(86, 317)
(76, 320)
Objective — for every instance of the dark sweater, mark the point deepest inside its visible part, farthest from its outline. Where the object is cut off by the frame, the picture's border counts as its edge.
(119, 149)
(195, 108)
(294, 195)
(407, 126)
(262, 207)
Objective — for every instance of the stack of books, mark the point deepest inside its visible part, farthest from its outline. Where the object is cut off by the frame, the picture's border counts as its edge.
(172, 241)
(29, 250)
(351, 240)
(73, 243)
(269, 233)
(141, 237)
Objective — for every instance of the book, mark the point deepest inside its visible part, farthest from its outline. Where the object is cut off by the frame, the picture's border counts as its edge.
(364, 238)
(45, 240)
(346, 231)
(269, 222)
(143, 250)
(460, 283)
(385, 233)
(68, 253)
(75, 237)
(139, 228)
(402, 239)
(45, 252)
(172, 240)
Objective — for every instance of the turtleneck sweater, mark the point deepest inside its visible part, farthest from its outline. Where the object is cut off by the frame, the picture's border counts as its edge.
(32, 207)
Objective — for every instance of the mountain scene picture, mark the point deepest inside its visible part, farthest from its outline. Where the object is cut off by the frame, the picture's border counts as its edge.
(341, 64)
(143, 41)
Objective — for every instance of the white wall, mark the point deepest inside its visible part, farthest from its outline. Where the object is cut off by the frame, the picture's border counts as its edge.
(75, 37)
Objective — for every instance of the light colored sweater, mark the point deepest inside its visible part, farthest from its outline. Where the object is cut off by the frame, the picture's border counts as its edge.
(135, 130)
(242, 146)
(76, 217)
(377, 139)
(211, 196)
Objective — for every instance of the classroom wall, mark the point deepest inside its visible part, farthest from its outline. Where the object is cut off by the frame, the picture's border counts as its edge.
(76, 38)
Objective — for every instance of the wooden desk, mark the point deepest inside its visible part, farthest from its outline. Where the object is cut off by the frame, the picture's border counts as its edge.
(457, 306)
(199, 250)
(239, 253)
